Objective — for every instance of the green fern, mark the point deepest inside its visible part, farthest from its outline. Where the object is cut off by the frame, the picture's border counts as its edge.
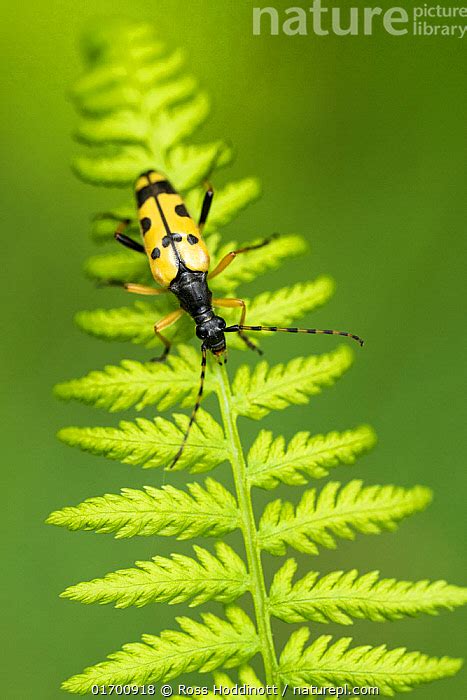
(209, 511)
(137, 111)
(176, 580)
(368, 510)
(340, 596)
(198, 647)
(390, 671)
(153, 443)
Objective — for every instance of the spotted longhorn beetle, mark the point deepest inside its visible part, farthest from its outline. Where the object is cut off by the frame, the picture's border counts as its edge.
(179, 262)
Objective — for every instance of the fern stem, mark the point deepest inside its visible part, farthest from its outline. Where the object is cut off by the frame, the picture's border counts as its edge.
(248, 526)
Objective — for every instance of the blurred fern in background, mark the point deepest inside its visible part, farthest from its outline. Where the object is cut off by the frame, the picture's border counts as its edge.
(137, 110)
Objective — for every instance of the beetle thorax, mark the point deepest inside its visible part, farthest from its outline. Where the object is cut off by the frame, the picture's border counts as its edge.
(192, 291)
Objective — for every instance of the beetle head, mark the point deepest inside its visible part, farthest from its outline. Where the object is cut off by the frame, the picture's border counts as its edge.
(211, 332)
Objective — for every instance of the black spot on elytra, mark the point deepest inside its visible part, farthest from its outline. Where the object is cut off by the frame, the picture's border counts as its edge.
(166, 241)
(145, 224)
(155, 253)
(180, 210)
(192, 240)
(176, 237)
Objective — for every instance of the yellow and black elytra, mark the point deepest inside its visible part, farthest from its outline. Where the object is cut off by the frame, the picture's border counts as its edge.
(179, 261)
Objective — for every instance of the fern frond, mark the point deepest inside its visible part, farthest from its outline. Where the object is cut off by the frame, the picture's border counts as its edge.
(163, 96)
(271, 462)
(134, 324)
(200, 646)
(264, 389)
(391, 671)
(107, 88)
(173, 125)
(136, 109)
(112, 166)
(154, 443)
(341, 596)
(120, 127)
(209, 512)
(107, 39)
(222, 578)
(116, 388)
(289, 303)
(191, 164)
(368, 510)
(119, 266)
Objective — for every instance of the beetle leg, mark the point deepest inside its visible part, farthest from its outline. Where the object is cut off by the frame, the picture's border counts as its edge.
(195, 407)
(134, 288)
(207, 201)
(165, 322)
(143, 289)
(230, 257)
(238, 303)
(126, 240)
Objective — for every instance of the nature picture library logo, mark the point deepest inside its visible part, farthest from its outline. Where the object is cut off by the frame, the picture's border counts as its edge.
(321, 19)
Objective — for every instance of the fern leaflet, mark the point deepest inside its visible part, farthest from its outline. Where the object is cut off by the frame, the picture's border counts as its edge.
(369, 510)
(265, 389)
(392, 671)
(341, 596)
(306, 456)
(222, 577)
(200, 646)
(139, 384)
(154, 443)
(207, 512)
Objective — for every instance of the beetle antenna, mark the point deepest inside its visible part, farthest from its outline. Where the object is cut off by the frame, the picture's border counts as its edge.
(195, 407)
(238, 328)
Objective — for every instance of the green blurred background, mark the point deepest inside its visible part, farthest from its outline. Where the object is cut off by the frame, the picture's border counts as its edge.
(359, 145)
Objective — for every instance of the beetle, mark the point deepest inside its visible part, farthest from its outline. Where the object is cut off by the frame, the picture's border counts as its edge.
(179, 262)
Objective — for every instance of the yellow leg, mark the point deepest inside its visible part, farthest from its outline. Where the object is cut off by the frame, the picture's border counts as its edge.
(232, 304)
(238, 303)
(165, 322)
(135, 288)
(143, 289)
(122, 226)
(230, 257)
